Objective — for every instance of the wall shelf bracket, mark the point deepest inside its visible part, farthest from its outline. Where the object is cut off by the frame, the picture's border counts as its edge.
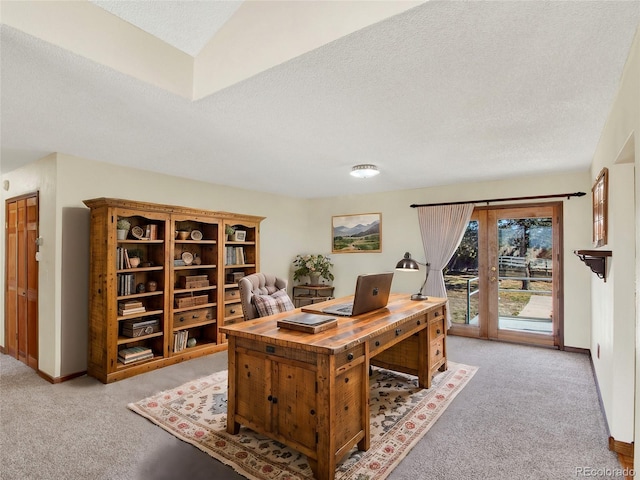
(596, 260)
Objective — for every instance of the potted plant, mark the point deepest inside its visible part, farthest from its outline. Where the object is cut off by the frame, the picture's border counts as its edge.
(135, 257)
(123, 225)
(314, 267)
(229, 231)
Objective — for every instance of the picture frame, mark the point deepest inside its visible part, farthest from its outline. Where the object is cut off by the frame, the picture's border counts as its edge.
(600, 201)
(239, 236)
(359, 233)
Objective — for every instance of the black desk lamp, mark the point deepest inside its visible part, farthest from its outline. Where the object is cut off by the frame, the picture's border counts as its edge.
(408, 264)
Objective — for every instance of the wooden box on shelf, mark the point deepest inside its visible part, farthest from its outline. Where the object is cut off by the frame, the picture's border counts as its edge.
(185, 300)
(194, 281)
(137, 327)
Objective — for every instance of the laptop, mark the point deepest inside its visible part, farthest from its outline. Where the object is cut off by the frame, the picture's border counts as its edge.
(372, 292)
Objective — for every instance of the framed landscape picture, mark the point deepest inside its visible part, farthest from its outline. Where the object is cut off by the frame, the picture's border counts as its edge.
(360, 233)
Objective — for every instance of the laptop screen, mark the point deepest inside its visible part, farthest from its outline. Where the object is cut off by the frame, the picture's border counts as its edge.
(372, 293)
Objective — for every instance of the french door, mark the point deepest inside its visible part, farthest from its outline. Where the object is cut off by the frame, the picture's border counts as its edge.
(504, 281)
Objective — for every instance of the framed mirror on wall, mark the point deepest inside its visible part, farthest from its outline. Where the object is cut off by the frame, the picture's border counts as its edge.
(600, 194)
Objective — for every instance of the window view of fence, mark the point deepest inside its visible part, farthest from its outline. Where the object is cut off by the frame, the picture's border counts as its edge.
(461, 277)
(524, 275)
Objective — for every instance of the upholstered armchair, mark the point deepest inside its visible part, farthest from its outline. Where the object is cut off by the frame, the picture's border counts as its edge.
(260, 284)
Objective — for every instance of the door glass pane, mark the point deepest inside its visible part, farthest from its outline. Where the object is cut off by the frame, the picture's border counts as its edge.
(525, 274)
(461, 279)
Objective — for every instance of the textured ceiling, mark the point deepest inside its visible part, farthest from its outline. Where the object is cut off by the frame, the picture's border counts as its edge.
(444, 93)
(186, 25)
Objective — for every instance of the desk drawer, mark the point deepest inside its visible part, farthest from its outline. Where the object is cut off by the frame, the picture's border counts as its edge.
(388, 338)
(436, 328)
(270, 351)
(193, 316)
(436, 314)
(351, 355)
(436, 348)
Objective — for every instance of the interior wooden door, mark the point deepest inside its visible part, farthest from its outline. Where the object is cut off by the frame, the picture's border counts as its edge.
(21, 279)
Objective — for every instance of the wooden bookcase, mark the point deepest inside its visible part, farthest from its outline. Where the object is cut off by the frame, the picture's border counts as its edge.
(240, 259)
(183, 281)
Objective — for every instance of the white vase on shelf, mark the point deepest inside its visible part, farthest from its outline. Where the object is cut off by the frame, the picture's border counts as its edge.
(314, 279)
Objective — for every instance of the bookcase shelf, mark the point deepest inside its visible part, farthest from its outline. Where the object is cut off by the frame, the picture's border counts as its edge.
(176, 281)
(128, 340)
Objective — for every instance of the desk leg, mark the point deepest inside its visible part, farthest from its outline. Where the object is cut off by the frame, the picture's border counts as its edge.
(424, 377)
(324, 468)
(233, 427)
(365, 443)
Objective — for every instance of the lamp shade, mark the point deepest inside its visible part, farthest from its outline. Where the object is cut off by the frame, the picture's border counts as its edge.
(407, 263)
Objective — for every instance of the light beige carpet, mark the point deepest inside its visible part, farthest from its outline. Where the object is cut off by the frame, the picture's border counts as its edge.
(401, 414)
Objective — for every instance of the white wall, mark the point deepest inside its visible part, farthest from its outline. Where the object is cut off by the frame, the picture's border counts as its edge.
(40, 177)
(291, 226)
(401, 233)
(614, 322)
(64, 182)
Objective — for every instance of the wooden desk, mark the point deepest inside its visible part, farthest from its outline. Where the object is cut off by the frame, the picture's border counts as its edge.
(311, 391)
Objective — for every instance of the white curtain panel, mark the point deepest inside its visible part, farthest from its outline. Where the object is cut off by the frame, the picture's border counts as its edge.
(442, 228)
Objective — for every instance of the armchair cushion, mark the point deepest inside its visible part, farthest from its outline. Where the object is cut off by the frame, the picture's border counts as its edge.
(272, 304)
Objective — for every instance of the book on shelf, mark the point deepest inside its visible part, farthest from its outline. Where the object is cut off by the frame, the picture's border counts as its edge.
(130, 304)
(234, 256)
(131, 311)
(122, 258)
(180, 340)
(137, 356)
(126, 361)
(134, 352)
(126, 284)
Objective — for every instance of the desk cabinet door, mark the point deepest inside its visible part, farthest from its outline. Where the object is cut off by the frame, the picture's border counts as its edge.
(350, 404)
(253, 385)
(295, 411)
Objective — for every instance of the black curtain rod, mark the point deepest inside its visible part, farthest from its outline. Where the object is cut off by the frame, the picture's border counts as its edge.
(536, 197)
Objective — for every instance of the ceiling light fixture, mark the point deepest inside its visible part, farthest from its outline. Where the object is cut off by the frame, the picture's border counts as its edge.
(365, 170)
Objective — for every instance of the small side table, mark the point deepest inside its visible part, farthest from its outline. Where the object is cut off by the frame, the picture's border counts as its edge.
(308, 294)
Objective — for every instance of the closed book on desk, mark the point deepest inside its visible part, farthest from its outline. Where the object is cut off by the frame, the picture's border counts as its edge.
(308, 322)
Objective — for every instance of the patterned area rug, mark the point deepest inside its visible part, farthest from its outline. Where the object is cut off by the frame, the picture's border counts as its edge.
(401, 414)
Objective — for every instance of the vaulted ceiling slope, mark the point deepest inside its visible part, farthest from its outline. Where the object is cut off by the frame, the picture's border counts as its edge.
(438, 94)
